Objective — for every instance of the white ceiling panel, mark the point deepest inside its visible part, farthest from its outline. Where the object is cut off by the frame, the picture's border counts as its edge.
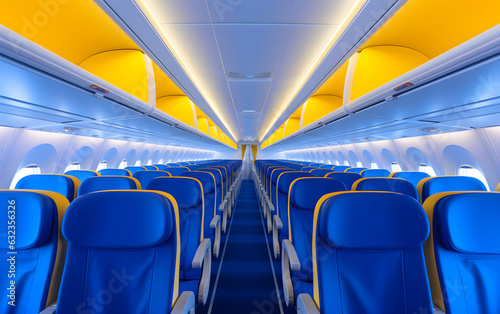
(214, 86)
(201, 38)
(253, 11)
(321, 11)
(250, 48)
(250, 94)
(176, 11)
(284, 86)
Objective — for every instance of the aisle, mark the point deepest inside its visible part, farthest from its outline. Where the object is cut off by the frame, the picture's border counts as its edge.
(246, 283)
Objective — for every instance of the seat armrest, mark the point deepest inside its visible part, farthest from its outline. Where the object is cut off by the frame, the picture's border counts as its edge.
(289, 260)
(287, 246)
(277, 221)
(214, 221)
(216, 224)
(184, 304)
(306, 305)
(51, 309)
(203, 257)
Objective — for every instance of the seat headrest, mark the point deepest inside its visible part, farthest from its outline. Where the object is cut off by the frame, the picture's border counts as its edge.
(386, 184)
(306, 192)
(276, 173)
(119, 219)
(450, 184)
(115, 172)
(215, 172)
(33, 215)
(374, 173)
(206, 179)
(175, 171)
(468, 222)
(372, 220)
(186, 191)
(285, 179)
(60, 183)
(102, 183)
(222, 171)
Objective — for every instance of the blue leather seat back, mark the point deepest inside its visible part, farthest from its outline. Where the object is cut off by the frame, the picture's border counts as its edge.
(340, 168)
(207, 180)
(375, 173)
(267, 178)
(368, 254)
(434, 185)
(467, 250)
(174, 164)
(320, 173)
(103, 183)
(327, 166)
(273, 182)
(59, 183)
(134, 169)
(218, 180)
(304, 195)
(284, 182)
(152, 168)
(175, 171)
(183, 163)
(82, 175)
(126, 261)
(161, 167)
(295, 167)
(308, 168)
(348, 178)
(315, 164)
(413, 176)
(188, 193)
(386, 184)
(355, 170)
(194, 167)
(225, 177)
(115, 172)
(146, 176)
(34, 236)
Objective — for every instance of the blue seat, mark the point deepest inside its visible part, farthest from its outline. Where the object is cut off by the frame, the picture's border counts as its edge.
(174, 164)
(129, 255)
(413, 176)
(303, 196)
(188, 193)
(40, 251)
(348, 178)
(134, 169)
(273, 182)
(368, 256)
(375, 173)
(175, 171)
(225, 177)
(152, 168)
(267, 177)
(340, 168)
(308, 168)
(327, 167)
(115, 172)
(194, 167)
(183, 163)
(82, 175)
(280, 215)
(104, 183)
(219, 184)
(320, 173)
(146, 176)
(63, 184)
(161, 167)
(386, 184)
(433, 185)
(355, 170)
(463, 251)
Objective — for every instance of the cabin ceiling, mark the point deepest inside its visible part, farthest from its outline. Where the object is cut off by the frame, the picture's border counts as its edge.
(281, 39)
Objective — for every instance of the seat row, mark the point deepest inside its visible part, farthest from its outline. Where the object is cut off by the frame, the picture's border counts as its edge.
(115, 248)
(375, 249)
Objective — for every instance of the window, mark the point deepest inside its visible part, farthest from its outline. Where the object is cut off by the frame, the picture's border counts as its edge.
(26, 171)
(346, 163)
(138, 163)
(373, 165)
(161, 161)
(358, 164)
(73, 166)
(102, 165)
(470, 171)
(150, 163)
(427, 169)
(395, 167)
(337, 163)
(123, 164)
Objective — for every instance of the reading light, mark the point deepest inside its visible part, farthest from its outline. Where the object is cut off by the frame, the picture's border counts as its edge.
(248, 111)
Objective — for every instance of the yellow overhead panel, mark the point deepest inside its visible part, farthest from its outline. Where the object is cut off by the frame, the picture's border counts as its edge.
(221, 136)
(434, 27)
(179, 107)
(298, 113)
(202, 125)
(317, 107)
(291, 125)
(381, 64)
(201, 114)
(335, 84)
(279, 134)
(213, 132)
(264, 144)
(243, 151)
(272, 139)
(125, 69)
(164, 85)
(74, 30)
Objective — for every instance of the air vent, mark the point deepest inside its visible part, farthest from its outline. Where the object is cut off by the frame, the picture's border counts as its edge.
(249, 76)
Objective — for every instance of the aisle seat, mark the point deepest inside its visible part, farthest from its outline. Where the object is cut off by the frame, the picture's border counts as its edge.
(413, 176)
(82, 175)
(375, 173)
(134, 169)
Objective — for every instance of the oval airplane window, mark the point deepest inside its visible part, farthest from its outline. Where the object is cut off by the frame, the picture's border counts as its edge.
(469, 171)
(395, 167)
(427, 169)
(138, 163)
(73, 166)
(102, 165)
(373, 165)
(346, 163)
(123, 164)
(150, 162)
(26, 171)
(359, 164)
